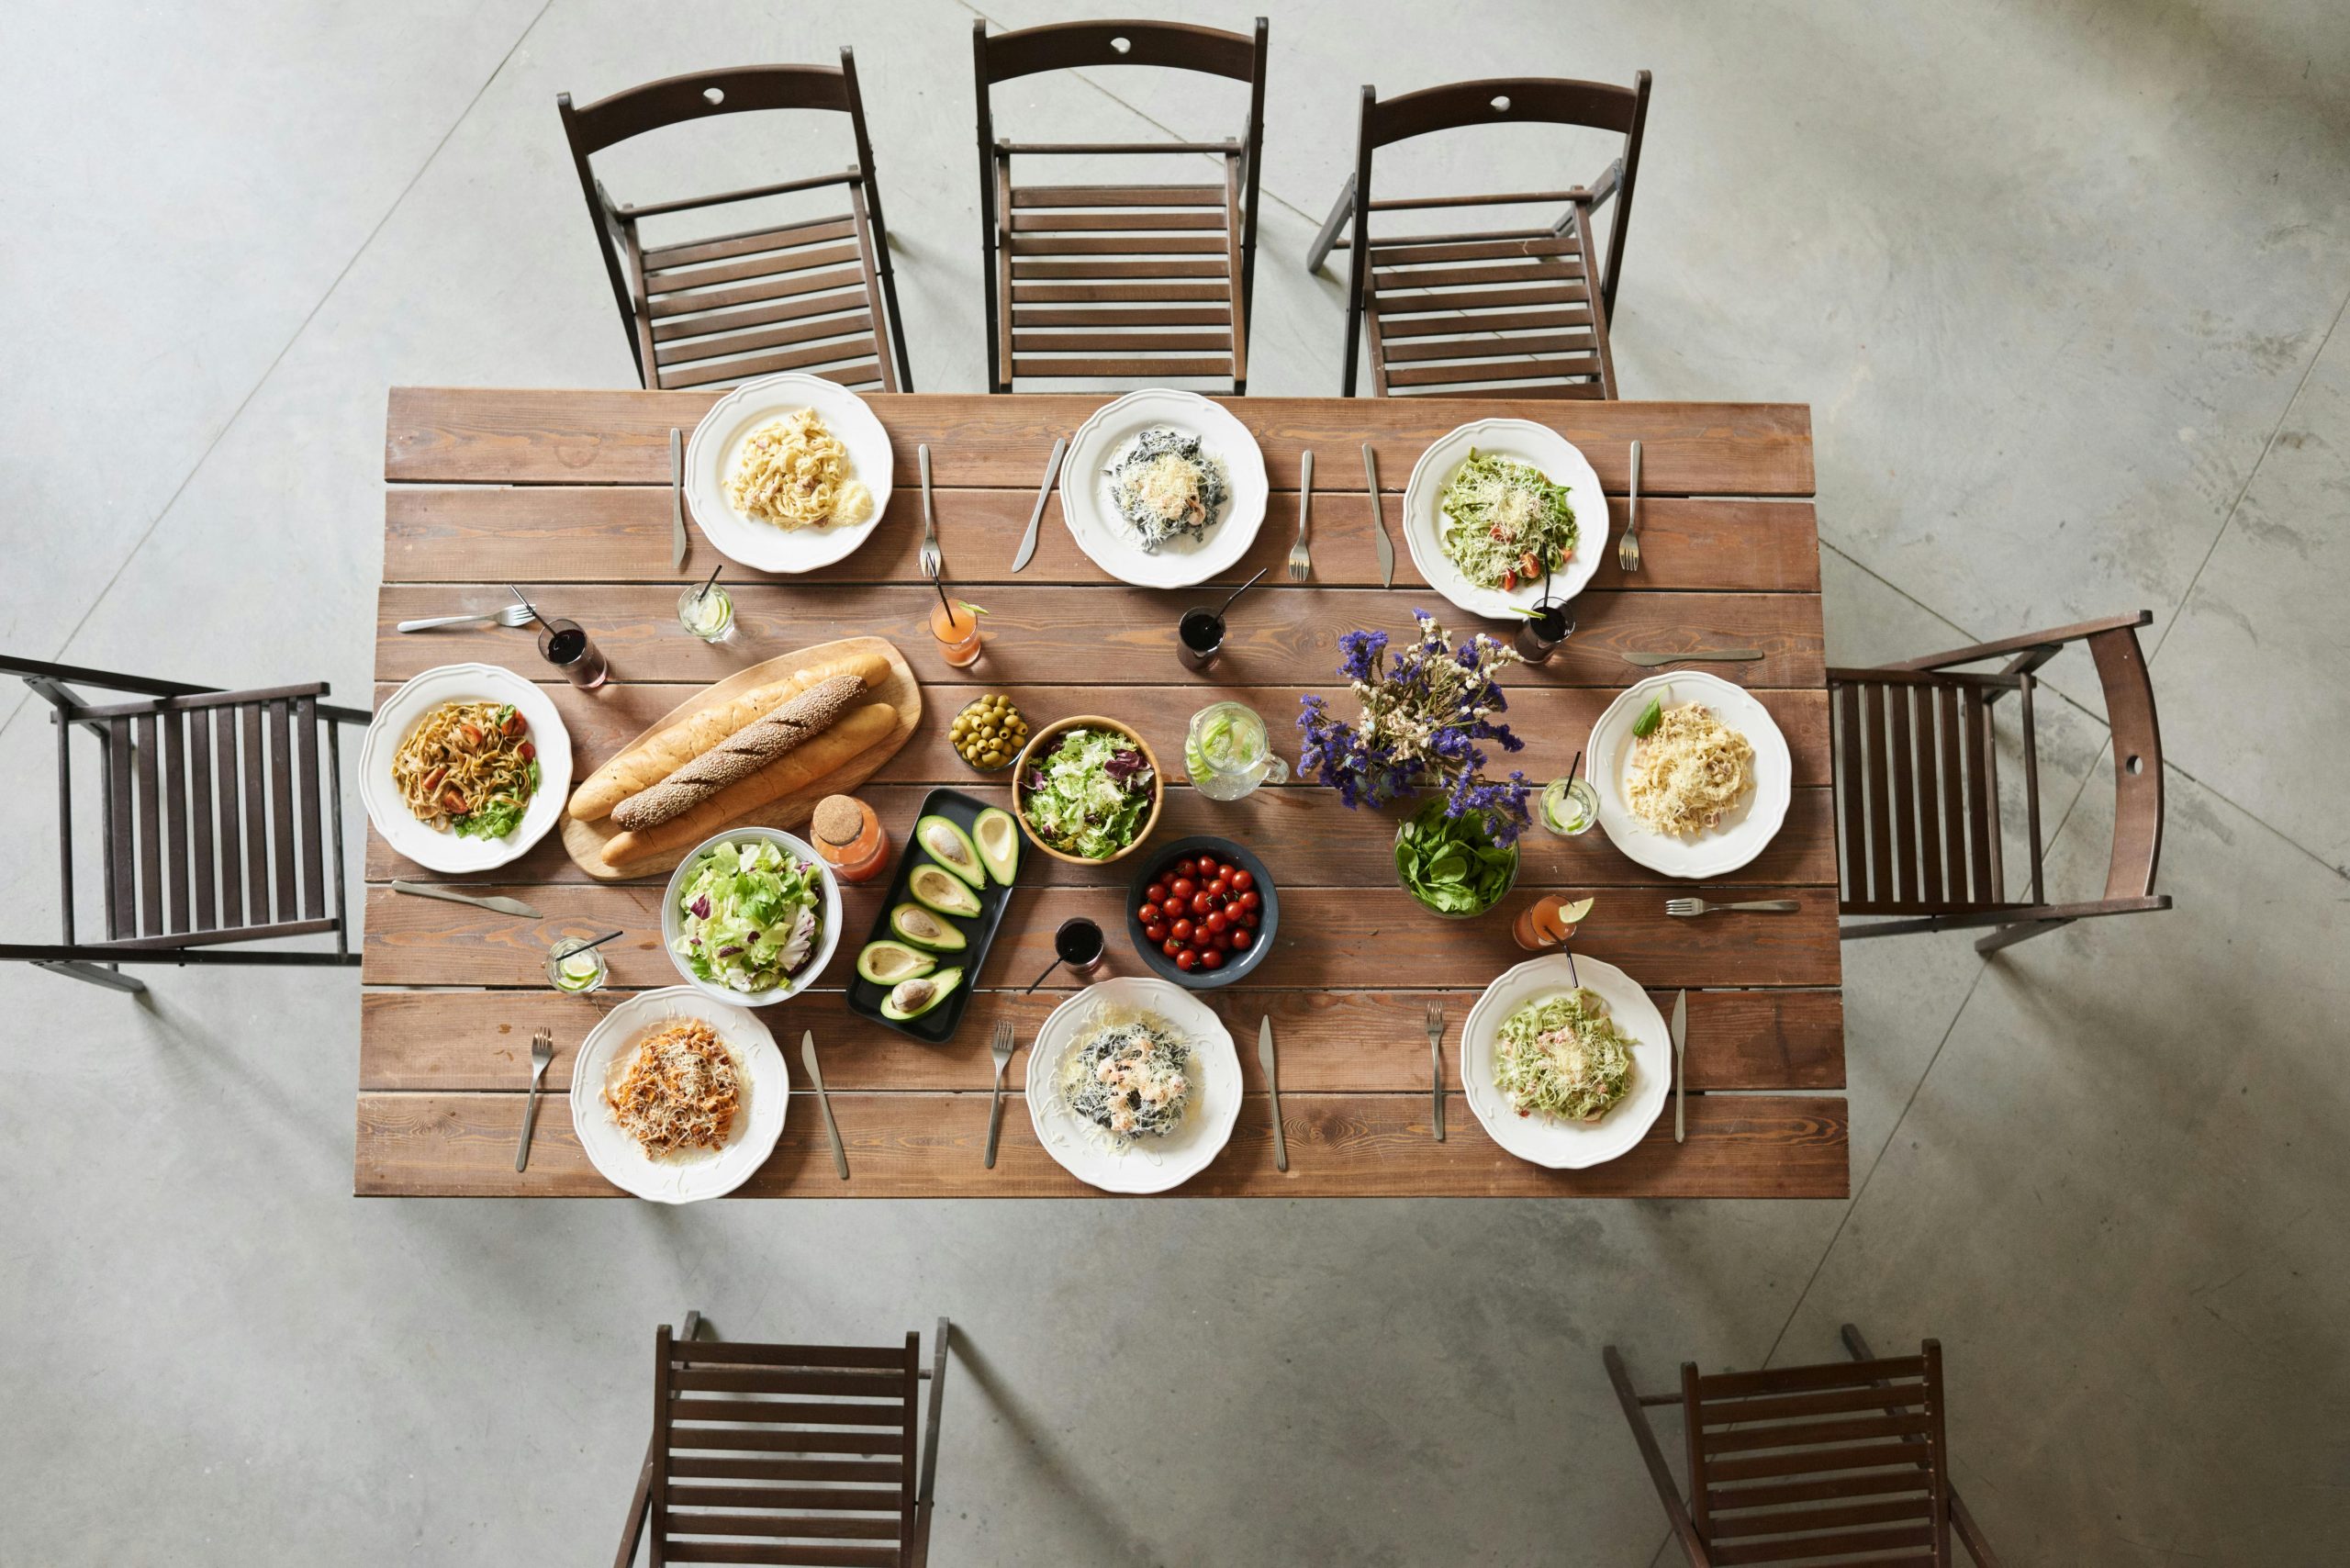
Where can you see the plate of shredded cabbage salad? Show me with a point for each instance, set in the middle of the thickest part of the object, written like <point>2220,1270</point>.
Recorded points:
<point>1495,507</point>
<point>752,916</point>
<point>1566,1062</point>
<point>1134,1085</point>
<point>1086,789</point>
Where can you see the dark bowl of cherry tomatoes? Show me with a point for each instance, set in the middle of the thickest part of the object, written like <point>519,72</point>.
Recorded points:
<point>1202,912</point>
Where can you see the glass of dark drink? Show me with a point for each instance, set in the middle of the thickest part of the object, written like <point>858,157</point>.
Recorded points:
<point>1544,632</point>
<point>1078,944</point>
<point>1199,638</point>
<point>564,644</point>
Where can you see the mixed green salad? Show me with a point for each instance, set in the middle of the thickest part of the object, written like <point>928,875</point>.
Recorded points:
<point>748,914</point>
<point>1451,864</point>
<point>1505,522</point>
<point>1562,1056</point>
<point>1087,793</point>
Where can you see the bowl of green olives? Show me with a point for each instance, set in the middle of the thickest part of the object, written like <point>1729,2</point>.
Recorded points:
<point>989,733</point>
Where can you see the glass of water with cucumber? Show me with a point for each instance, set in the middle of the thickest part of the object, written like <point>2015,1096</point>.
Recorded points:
<point>1228,754</point>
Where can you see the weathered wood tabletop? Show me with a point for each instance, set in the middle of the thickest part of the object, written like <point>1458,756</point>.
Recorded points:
<point>569,491</point>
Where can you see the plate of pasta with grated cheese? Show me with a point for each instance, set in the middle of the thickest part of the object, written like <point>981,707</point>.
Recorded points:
<point>788,472</point>
<point>1692,775</point>
<point>676,1097</point>
<point>1163,488</point>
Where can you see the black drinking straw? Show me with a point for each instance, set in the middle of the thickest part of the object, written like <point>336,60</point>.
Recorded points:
<point>704,591</point>
<point>528,606</point>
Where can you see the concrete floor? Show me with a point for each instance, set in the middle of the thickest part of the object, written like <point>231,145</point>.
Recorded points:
<point>2062,283</point>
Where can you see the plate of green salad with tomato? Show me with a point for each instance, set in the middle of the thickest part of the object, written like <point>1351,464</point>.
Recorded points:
<point>1499,512</point>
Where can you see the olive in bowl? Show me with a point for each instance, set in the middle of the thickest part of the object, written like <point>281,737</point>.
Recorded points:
<point>1213,916</point>
<point>988,732</point>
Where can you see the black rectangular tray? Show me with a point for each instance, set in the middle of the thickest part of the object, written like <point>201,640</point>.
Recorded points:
<point>936,1027</point>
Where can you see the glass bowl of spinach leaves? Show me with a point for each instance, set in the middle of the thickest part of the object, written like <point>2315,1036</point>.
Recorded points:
<point>1452,866</point>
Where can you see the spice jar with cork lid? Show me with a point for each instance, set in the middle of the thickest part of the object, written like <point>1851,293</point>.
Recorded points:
<point>848,835</point>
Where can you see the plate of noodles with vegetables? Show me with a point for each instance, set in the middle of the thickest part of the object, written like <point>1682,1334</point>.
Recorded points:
<point>1497,509</point>
<point>1134,1085</point>
<point>1565,1061</point>
<point>788,472</point>
<point>465,768</point>
<point>676,1097</point>
<point>1163,488</point>
<point>1692,775</point>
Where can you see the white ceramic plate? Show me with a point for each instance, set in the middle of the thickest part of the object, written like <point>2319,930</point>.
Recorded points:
<point>711,456</point>
<point>1568,1146</point>
<point>1148,1165</point>
<point>1523,439</point>
<point>687,1178</point>
<point>1745,829</point>
<point>828,933</point>
<point>1104,535</point>
<point>404,708</point>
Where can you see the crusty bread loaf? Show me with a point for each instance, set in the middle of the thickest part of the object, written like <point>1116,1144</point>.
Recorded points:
<point>659,755</point>
<point>740,754</point>
<point>860,729</point>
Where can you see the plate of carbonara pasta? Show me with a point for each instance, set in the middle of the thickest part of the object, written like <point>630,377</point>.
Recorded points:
<point>678,1097</point>
<point>788,472</point>
<point>1566,1063</point>
<point>465,768</point>
<point>1694,776</point>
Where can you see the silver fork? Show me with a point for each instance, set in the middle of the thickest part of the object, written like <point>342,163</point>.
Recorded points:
<point>1627,549</point>
<point>508,615</point>
<point>1300,560</point>
<point>933,563</point>
<point>1686,907</point>
<point>1000,1049</point>
<point>1436,1063</point>
<point>542,1054</point>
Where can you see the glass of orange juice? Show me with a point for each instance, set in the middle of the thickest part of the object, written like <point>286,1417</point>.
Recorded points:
<point>956,627</point>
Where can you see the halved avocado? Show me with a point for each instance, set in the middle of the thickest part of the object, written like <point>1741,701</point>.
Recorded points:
<point>999,841</point>
<point>923,929</point>
<point>887,963</point>
<point>935,887</point>
<point>912,998</point>
<point>951,848</point>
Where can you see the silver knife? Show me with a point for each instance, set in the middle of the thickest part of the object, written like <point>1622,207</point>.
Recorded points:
<point>1679,1051</point>
<point>1714,656</point>
<point>816,1077</point>
<point>1052,472</point>
<point>1273,1085</point>
<point>1378,521</point>
<point>502,905</point>
<point>677,499</point>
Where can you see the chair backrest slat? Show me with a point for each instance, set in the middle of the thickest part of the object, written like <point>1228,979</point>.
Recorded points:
<point>281,800</point>
<point>256,818</point>
<point>1596,106</point>
<point>175,836</point>
<point>232,890</point>
<point>1077,46</point>
<point>148,851</point>
<point>314,826</point>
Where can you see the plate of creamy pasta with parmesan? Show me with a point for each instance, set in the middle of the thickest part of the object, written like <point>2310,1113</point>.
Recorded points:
<point>465,768</point>
<point>1692,774</point>
<point>677,1096</point>
<point>788,472</point>
<point>1163,488</point>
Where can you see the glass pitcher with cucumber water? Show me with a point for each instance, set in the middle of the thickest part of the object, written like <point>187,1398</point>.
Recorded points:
<point>1227,753</point>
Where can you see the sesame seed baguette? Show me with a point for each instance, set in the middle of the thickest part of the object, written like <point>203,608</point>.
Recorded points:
<point>859,732</point>
<point>740,754</point>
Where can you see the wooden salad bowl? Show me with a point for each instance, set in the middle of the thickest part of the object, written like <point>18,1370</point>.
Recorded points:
<point>1043,738</point>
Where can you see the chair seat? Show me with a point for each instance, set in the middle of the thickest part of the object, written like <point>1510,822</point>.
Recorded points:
<point>1509,316</point>
<point>793,297</point>
<point>1122,280</point>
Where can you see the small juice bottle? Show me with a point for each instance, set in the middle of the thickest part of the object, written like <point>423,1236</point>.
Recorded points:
<point>957,631</point>
<point>849,837</point>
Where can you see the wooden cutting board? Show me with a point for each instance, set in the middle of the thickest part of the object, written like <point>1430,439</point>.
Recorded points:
<point>585,841</point>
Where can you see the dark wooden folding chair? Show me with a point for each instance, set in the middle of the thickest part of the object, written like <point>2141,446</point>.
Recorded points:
<point>221,821</point>
<point>794,296</point>
<point>1805,1464</point>
<point>799,1454</point>
<point>1489,312</point>
<point>1917,788</point>
<point>1086,281</point>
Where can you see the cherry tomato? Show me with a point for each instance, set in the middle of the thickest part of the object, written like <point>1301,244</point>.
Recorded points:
<point>1251,899</point>
<point>1175,907</point>
<point>1199,904</point>
<point>1157,931</point>
<point>1170,947</point>
<point>1181,930</point>
<point>1211,959</point>
<point>1156,893</point>
<point>1242,881</point>
<point>1252,917</point>
<point>1219,921</point>
<point>1147,914</point>
<point>1222,939</point>
<point>1240,937</point>
<point>1187,960</point>
<point>1182,888</point>
<point>1205,867</point>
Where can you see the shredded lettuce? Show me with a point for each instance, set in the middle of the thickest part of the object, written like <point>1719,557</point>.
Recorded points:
<point>1088,796</point>
<point>748,915</point>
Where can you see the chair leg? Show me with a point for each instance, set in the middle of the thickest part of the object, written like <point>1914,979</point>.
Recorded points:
<point>95,974</point>
<point>1340,211</point>
<point>2008,935</point>
<point>918,1549</point>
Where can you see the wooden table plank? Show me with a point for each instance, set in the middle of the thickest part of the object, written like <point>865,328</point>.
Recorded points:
<point>561,534</point>
<point>927,1146</point>
<point>1328,937</point>
<point>503,436</point>
<point>1304,833</point>
<point>1091,635</point>
<point>1345,1042</point>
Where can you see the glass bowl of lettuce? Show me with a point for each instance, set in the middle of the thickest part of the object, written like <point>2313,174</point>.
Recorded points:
<point>1452,866</point>
<point>1087,790</point>
<point>751,916</point>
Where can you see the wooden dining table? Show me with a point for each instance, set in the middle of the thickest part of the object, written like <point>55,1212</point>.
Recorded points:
<point>567,494</point>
